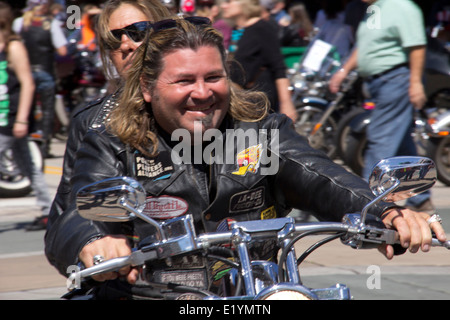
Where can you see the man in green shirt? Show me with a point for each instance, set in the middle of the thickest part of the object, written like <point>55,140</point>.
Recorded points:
<point>389,55</point>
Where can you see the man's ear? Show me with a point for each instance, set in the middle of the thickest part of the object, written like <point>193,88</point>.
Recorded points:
<point>145,91</point>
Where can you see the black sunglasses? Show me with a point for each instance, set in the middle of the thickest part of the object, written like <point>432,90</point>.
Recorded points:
<point>136,31</point>
<point>172,23</point>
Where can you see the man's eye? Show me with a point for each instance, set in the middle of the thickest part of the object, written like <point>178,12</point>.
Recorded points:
<point>184,81</point>
<point>215,78</point>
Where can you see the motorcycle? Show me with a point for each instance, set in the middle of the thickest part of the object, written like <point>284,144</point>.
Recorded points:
<point>122,199</point>
<point>13,183</point>
<point>324,120</point>
<point>438,125</point>
<point>356,141</point>
<point>309,93</point>
<point>438,148</point>
<point>322,115</point>
<point>90,81</point>
<point>81,80</point>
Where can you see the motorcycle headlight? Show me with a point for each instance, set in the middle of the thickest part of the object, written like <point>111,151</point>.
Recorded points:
<point>301,85</point>
<point>286,291</point>
<point>299,81</point>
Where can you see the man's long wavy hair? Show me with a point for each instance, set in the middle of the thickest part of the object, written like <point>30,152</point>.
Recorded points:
<point>132,120</point>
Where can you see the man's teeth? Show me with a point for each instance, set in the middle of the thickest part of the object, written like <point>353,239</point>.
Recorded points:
<point>200,108</point>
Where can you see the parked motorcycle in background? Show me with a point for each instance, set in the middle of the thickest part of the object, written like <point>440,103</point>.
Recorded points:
<point>438,148</point>
<point>356,141</point>
<point>439,125</point>
<point>122,199</point>
<point>88,81</point>
<point>81,80</point>
<point>321,114</point>
<point>13,183</point>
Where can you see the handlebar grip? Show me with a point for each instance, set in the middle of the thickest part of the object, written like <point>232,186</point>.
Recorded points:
<point>398,249</point>
<point>106,266</point>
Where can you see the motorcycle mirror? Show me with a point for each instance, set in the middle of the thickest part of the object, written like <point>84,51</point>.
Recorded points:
<point>115,199</point>
<point>104,200</point>
<point>412,175</point>
<point>399,178</point>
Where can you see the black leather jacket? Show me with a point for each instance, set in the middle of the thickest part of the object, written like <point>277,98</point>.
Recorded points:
<point>305,179</point>
<point>84,118</point>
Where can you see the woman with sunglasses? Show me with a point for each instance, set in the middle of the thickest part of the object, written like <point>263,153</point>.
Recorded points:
<point>122,27</point>
<point>179,81</point>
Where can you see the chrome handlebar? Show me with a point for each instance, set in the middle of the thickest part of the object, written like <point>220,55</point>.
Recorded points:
<point>241,234</point>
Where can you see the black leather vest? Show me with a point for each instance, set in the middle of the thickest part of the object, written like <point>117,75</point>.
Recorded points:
<point>38,41</point>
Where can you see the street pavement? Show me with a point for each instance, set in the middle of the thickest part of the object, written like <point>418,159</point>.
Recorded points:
<point>25,273</point>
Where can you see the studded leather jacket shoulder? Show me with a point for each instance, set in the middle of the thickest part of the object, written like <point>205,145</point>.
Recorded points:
<point>261,181</point>
<point>88,117</point>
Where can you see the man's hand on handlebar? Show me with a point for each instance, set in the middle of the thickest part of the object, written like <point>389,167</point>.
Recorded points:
<point>109,247</point>
<point>413,230</point>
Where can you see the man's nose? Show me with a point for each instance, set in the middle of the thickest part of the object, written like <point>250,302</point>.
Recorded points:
<point>201,91</point>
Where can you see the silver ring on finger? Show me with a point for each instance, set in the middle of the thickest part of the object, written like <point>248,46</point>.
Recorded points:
<point>434,218</point>
<point>98,259</point>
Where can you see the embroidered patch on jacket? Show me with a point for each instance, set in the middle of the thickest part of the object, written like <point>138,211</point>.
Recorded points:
<point>247,200</point>
<point>165,207</point>
<point>269,213</point>
<point>161,167</point>
<point>225,225</point>
<point>248,160</point>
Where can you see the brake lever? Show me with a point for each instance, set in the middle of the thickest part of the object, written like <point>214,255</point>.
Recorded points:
<point>367,235</point>
<point>380,236</point>
<point>391,237</point>
<point>136,258</point>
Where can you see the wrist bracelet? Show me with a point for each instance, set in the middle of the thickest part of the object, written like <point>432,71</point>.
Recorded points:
<point>21,122</point>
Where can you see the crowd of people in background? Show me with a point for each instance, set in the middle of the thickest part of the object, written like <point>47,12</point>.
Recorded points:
<point>295,23</point>
<point>254,32</point>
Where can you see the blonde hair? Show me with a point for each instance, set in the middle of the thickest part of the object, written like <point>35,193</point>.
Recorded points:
<point>251,8</point>
<point>153,9</point>
<point>35,11</point>
<point>300,16</point>
<point>132,120</point>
